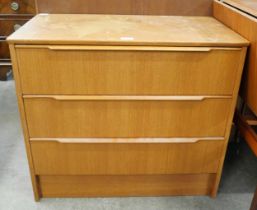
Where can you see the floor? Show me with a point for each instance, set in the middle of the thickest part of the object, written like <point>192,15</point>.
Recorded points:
<point>236,190</point>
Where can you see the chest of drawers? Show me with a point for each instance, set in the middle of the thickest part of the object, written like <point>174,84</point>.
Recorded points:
<point>126,105</point>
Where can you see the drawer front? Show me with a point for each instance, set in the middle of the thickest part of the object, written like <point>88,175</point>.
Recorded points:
<point>102,117</point>
<point>4,69</point>
<point>17,7</point>
<point>8,26</point>
<point>54,158</point>
<point>142,71</point>
<point>4,50</point>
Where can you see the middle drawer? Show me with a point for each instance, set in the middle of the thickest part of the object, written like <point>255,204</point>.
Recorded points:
<point>126,116</point>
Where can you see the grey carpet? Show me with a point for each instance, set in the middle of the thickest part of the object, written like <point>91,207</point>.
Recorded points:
<point>238,182</point>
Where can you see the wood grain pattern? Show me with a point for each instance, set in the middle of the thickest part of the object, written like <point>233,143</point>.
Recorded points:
<point>245,25</point>
<point>127,7</point>
<point>34,179</point>
<point>230,120</point>
<point>103,186</point>
<point>249,6</point>
<point>125,159</point>
<point>48,118</point>
<point>61,127</point>
<point>128,72</point>
<point>126,30</point>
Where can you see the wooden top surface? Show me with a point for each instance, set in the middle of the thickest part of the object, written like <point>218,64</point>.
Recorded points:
<point>126,30</point>
<point>249,6</point>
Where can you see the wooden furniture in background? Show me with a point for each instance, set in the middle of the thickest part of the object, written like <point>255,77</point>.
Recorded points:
<point>241,16</point>
<point>13,14</point>
<point>127,7</point>
<point>145,126</point>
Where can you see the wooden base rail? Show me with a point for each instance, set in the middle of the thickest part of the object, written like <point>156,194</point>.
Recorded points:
<point>126,98</point>
<point>128,185</point>
<point>128,140</point>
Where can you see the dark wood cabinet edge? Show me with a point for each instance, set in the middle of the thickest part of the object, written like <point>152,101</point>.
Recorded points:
<point>16,17</point>
<point>246,131</point>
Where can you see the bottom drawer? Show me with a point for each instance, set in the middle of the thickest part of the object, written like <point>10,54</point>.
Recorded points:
<point>4,49</point>
<point>55,158</point>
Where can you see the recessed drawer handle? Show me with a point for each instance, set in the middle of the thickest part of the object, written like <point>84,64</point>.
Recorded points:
<point>126,48</point>
<point>127,140</point>
<point>132,48</point>
<point>125,98</point>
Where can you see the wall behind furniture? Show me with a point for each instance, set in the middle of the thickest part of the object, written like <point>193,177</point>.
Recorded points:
<point>127,7</point>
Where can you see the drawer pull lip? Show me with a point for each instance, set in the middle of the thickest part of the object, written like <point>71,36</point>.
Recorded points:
<point>131,48</point>
<point>127,140</point>
<point>125,48</point>
<point>126,98</point>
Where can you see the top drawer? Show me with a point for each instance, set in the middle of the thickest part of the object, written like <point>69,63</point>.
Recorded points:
<point>127,70</point>
<point>17,7</point>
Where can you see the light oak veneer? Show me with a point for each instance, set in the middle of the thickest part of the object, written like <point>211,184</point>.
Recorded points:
<point>125,159</point>
<point>128,71</point>
<point>106,186</point>
<point>47,117</point>
<point>142,103</point>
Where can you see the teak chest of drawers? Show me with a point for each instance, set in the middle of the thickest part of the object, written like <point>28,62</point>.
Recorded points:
<point>126,105</point>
